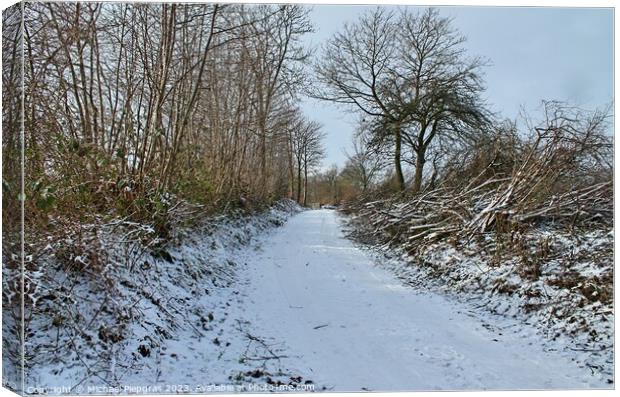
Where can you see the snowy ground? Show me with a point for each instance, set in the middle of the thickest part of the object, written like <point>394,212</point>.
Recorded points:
<point>353,325</point>
<point>557,280</point>
<point>165,321</point>
<point>243,305</point>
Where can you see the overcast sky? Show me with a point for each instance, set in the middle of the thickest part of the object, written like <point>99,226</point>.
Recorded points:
<point>536,53</point>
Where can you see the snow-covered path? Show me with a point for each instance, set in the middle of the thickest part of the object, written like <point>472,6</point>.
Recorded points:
<point>348,324</point>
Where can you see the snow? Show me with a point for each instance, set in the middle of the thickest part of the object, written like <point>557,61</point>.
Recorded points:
<point>354,326</point>
<point>162,321</point>
<point>260,303</point>
<point>568,302</point>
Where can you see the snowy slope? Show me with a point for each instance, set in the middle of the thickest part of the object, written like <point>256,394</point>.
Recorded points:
<point>159,322</point>
<point>558,280</point>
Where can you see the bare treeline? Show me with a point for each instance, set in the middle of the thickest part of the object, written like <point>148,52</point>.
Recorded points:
<point>125,103</point>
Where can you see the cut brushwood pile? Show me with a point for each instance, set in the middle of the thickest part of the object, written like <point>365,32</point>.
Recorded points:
<point>500,202</point>
<point>442,213</point>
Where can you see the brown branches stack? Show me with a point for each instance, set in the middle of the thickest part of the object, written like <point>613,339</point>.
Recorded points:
<point>560,176</point>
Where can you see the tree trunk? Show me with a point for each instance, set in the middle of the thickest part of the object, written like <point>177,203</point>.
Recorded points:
<point>263,161</point>
<point>305,185</point>
<point>299,182</point>
<point>291,170</point>
<point>419,168</point>
<point>400,180</point>
<point>305,179</point>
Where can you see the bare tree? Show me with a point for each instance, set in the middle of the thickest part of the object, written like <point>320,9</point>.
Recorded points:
<point>354,70</point>
<point>436,85</point>
<point>364,165</point>
<point>277,51</point>
<point>408,72</point>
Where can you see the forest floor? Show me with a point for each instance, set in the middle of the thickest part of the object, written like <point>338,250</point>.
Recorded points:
<point>291,308</point>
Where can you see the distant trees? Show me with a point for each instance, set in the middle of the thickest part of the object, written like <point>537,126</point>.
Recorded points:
<point>328,186</point>
<point>363,166</point>
<point>408,73</point>
<point>308,152</point>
